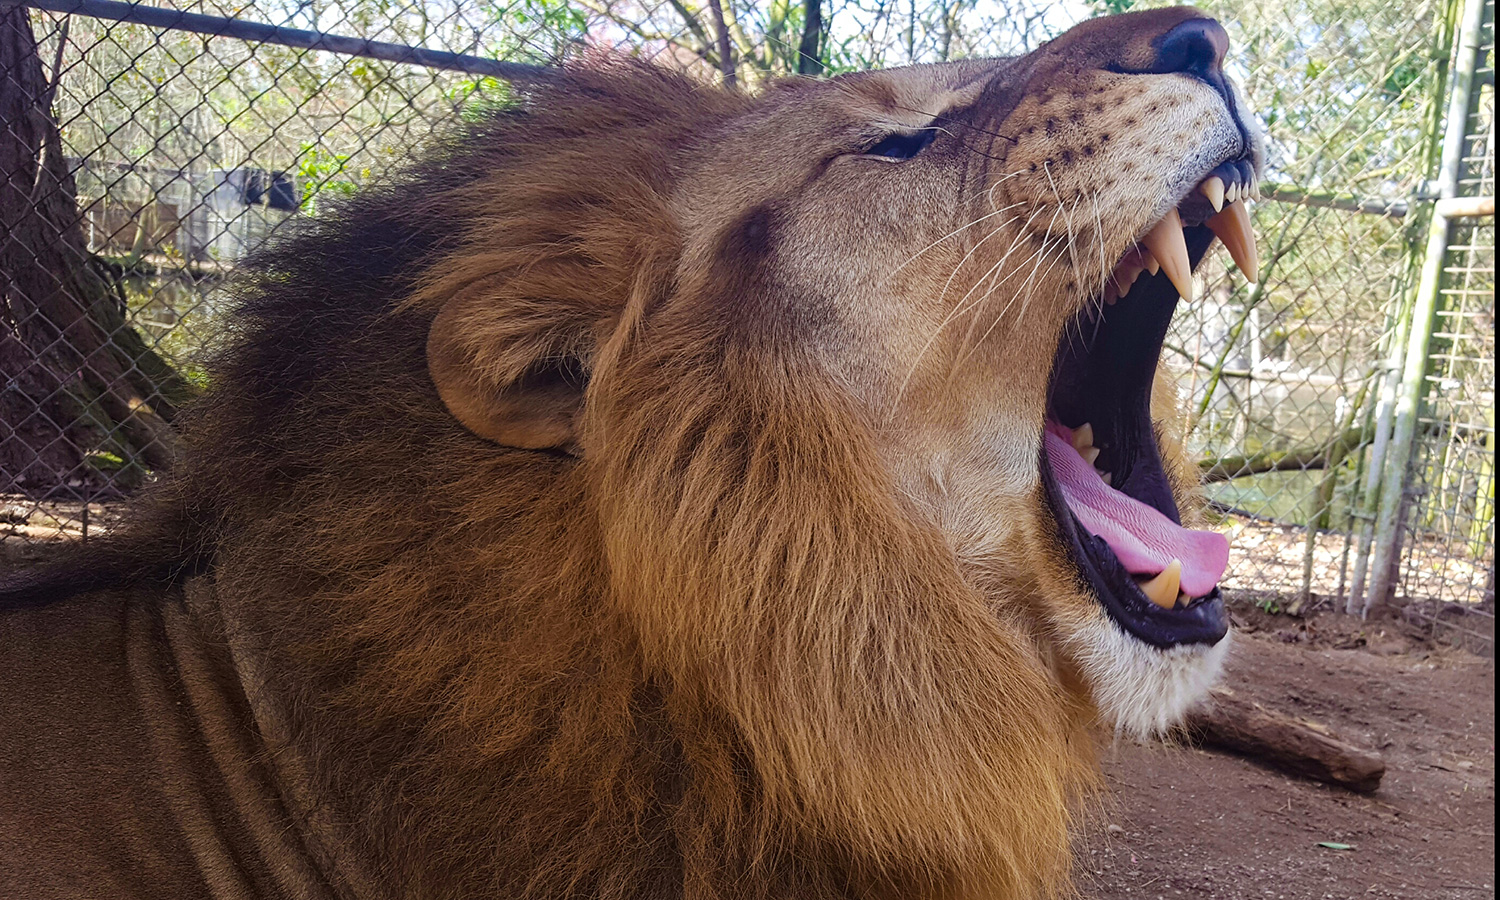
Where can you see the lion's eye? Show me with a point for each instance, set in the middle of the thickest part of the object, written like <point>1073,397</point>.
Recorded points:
<point>901,145</point>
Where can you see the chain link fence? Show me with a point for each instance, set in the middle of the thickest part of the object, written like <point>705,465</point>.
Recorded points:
<point>188,135</point>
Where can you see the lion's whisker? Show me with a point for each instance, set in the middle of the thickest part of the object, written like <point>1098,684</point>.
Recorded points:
<point>936,332</point>
<point>962,306</point>
<point>959,308</point>
<point>965,306</point>
<point>955,232</point>
<point>1061,207</point>
<point>1074,323</point>
<point>990,276</point>
<point>1032,280</point>
<point>1029,291</point>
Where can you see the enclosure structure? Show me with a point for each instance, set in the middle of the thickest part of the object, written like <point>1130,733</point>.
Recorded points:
<point>1342,408</point>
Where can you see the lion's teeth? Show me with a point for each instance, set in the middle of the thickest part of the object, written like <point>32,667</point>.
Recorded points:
<point>1213,188</point>
<point>1166,243</point>
<point>1124,276</point>
<point>1107,477</point>
<point>1183,599</point>
<point>1232,226</point>
<point>1232,193</point>
<point>1083,442</point>
<point>1152,265</point>
<point>1163,589</point>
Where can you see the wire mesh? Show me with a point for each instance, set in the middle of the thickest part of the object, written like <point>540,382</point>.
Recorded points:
<point>184,151</point>
<point>1453,495</point>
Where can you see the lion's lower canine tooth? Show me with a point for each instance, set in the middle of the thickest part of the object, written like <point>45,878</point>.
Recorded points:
<point>1166,243</point>
<point>1163,589</point>
<point>1083,436</point>
<point>1232,226</point>
<point>1213,188</point>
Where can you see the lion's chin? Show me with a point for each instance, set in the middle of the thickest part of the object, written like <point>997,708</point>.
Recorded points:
<point>1143,691</point>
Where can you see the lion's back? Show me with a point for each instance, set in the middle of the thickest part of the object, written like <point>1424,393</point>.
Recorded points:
<point>127,768</point>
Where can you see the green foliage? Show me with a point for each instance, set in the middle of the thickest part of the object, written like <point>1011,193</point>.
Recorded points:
<point>532,30</point>
<point>479,97</point>
<point>319,171</point>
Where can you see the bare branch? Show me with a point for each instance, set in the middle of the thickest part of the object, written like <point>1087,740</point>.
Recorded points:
<point>726,53</point>
<point>692,23</point>
<point>702,51</point>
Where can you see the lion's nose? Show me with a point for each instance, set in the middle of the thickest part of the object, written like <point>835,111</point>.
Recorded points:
<point>1196,47</point>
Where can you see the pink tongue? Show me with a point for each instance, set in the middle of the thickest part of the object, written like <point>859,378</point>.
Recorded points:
<point>1145,540</point>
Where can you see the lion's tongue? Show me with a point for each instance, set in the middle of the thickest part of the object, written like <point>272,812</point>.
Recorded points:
<point>1144,539</point>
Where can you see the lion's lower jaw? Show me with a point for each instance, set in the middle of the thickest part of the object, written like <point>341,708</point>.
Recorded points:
<point>1140,690</point>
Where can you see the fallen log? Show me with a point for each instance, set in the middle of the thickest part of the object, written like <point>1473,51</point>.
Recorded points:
<point>1244,727</point>
<point>1297,459</point>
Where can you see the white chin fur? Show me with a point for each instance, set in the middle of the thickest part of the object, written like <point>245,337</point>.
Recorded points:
<point>1143,691</point>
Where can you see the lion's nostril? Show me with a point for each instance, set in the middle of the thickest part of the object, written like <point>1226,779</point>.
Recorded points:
<point>1195,47</point>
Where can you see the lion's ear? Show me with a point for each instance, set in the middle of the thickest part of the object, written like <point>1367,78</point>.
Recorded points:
<point>518,391</point>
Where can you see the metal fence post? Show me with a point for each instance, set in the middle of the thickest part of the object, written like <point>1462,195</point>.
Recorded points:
<point>1370,507</point>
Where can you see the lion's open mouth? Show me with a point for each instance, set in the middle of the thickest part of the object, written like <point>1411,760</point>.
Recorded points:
<point>1101,460</point>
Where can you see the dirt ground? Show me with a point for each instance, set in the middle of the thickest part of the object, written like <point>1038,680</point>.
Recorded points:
<point>1184,822</point>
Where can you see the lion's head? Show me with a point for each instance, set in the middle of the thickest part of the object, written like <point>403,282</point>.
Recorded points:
<point>889,289</point>
<point>763,541</point>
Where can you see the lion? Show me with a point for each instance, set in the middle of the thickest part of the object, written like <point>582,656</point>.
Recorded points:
<point>665,492</point>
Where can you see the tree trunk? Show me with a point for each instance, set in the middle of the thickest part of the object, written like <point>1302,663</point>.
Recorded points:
<point>810,50</point>
<point>74,372</point>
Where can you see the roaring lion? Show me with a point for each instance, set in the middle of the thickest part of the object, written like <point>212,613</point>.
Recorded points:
<point>663,492</point>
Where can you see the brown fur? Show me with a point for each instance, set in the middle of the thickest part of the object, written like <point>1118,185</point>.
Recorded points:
<point>728,625</point>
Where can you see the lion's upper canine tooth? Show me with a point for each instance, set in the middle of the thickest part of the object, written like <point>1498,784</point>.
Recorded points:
<point>1163,589</point>
<point>1232,226</point>
<point>1166,243</point>
<point>1213,188</point>
<point>1083,436</point>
